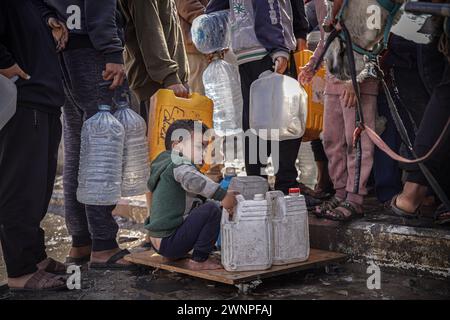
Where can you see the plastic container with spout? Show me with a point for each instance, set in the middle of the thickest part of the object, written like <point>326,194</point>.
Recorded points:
<point>278,107</point>
<point>165,108</point>
<point>211,32</point>
<point>249,186</point>
<point>136,168</point>
<point>223,87</point>
<point>101,157</point>
<point>316,93</point>
<point>247,237</point>
<point>290,227</point>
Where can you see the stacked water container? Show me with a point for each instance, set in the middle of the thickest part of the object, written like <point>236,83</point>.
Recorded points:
<point>136,167</point>
<point>101,153</point>
<point>267,228</point>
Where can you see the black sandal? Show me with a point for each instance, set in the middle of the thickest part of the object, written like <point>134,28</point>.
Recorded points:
<point>320,211</point>
<point>402,213</point>
<point>338,215</point>
<point>112,264</point>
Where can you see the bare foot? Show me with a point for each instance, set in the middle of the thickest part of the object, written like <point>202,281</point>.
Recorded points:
<point>103,256</point>
<point>210,264</point>
<point>43,280</point>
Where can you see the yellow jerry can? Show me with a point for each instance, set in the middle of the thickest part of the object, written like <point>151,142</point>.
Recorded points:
<point>165,108</point>
<point>315,90</point>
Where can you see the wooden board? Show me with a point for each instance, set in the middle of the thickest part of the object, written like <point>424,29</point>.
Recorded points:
<point>317,258</point>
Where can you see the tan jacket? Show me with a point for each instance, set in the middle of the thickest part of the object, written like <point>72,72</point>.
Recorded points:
<point>188,10</point>
<point>155,56</point>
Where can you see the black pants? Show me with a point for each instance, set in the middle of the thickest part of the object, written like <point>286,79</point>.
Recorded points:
<point>28,156</point>
<point>286,176</point>
<point>436,116</point>
<point>199,231</point>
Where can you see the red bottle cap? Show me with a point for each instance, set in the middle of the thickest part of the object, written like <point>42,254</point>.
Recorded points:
<point>294,190</point>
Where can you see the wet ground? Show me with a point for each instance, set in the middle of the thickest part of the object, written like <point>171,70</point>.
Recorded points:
<point>347,281</point>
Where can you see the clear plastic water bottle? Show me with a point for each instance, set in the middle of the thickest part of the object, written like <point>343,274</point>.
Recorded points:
<point>101,156</point>
<point>211,32</point>
<point>136,168</point>
<point>222,86</point>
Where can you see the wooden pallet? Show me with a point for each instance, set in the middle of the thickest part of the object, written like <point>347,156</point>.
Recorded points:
<point>317,258</point>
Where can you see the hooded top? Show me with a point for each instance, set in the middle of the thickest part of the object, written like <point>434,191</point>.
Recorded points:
<point>176,186</point>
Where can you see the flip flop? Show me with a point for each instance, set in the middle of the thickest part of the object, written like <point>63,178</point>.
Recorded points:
<point>112,264</point>
<point>55,267</point>
<point>42,281</point>
<point>338,215</point>
<point>402,213</point>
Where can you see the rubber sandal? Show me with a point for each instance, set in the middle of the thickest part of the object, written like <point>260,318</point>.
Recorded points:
<point>55,267</point>
<point>331,204</point>
<point>338,215</point>
<point>42,281</point>
<point>112,264</point>
<point>78,261</point>
<point>442,215</point>
<point>402,213</point>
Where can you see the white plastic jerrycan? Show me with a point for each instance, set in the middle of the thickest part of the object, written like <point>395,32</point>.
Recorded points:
<point>247,237</point>
<point>278,107</point>
<point>290,227</point>
<point>249,186</point>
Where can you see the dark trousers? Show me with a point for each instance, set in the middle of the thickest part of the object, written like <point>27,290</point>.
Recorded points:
<point>286,176</point>
<point>436,116</point>
<point>28,156</point>
<point>199,232</point>
<point>84,92</point>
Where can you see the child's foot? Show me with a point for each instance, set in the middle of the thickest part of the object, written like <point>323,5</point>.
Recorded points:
<point>346,211</point>
<point>210,264</point>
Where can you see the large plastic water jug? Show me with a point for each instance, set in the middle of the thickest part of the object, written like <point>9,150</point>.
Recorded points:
<point>315,91</point>
<point>223,87</point>
<point>8,100</point>
<point>278,107</point>
<point>247,237</point>
<point>165,108</point>
<point>211,32</point>
<point>290,227</point>
<point>136,168</point>
<point>101,156</point>
<point>249,186</point>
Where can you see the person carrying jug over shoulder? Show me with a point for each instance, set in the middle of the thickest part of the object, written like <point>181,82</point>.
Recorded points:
<point>181,217</point>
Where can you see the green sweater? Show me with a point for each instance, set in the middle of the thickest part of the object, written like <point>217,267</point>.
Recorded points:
<point>175,184</point>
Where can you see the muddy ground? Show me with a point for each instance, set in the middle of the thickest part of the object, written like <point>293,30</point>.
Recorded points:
<point>347,281</point>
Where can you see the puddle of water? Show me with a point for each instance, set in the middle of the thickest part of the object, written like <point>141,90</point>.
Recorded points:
<point>58,241</point>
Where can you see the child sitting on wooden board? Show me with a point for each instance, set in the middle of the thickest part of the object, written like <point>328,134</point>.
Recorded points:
<point>181,219</point>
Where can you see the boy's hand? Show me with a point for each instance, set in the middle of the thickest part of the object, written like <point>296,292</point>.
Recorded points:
<point>229,202</point>
<point>305,75</point>
<point>348,96</point>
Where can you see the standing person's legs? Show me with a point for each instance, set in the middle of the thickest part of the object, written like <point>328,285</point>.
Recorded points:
<point>335,144</point>
<point>387,173</point>
<point>287,174</point>
<point>197,64</point>
<point>28,147</point>
<point>250,72</point>
<point>86,223</point>
<point>369,107</point>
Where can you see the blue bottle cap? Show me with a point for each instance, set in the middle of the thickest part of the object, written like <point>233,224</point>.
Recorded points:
<point>104,107</point>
